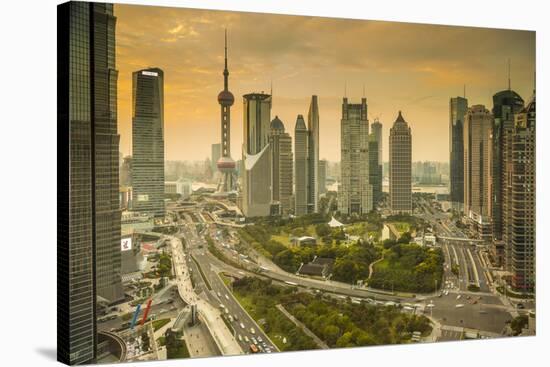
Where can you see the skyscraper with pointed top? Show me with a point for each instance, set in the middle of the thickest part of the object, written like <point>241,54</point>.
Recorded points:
<point>400,166</point>
<point>226,164</point>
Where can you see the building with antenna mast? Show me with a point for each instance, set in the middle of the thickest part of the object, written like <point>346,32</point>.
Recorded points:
<point>226,164</point>
<point>506,104</point>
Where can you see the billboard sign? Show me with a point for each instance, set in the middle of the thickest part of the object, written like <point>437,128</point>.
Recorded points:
<point>126,244</point>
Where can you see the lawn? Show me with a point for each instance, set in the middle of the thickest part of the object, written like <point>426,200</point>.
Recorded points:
<point>157,324</point>
<point>402,227</point>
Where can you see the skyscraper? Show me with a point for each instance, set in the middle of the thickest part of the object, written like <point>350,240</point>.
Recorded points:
<point>281,167</point>
<point>506,104</point>
<point>255,197</point>
<point>313,156</point>
<point>89,259</point>
<point>148,141</point>
<point>323,168</point>
<point>300,167</point>
<point>477,169</point>
<point>226,164</point>
<point>519,198</point>
<point>376,129</point>
<point>375,170</point>
<point>400,166</point>
<point>355,191</point>
<point>458,107</point>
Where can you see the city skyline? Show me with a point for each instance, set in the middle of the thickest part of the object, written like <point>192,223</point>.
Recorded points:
<point>392,69</point>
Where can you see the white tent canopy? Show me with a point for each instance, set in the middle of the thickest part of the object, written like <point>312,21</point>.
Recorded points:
<point>334,223</point>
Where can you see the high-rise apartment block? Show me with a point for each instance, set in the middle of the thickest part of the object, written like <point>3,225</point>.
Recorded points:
<point>148,141</point>
<point>400,166</point>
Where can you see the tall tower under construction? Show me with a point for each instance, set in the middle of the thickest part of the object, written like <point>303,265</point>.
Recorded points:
<point>226,164</point>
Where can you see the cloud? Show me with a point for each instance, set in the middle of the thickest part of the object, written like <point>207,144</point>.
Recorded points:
<point>415,67</point>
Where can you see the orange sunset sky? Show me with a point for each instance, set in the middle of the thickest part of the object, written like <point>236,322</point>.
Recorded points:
<point>410,67</point>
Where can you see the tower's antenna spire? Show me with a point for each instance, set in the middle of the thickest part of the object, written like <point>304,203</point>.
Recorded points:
<point>225,71</point>
<point>345,89</point>
<point>509,80</point>
<point>363,89</point>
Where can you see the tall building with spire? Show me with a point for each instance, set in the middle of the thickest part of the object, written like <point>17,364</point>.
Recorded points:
<point>255,195</point>
<point>458,107</point>
<point>300,167</point>
<point>400,166</point>
<point>281,167</point>
<point>506,104</point>
<point>313,156</point>
<point>226,164</point>
<point>355,191</point>
<point>478,124</point>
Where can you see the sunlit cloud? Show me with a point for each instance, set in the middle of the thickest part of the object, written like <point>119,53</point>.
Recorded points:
<point>412,67</point>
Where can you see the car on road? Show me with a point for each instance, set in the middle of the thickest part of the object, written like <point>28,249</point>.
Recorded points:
<point>230,318</point>
<point>241,325</point>
<point>254,340</point>
<point>240,337</point>
<point>246,339</point>
<point>260,339</point>
<point>219,294</point>
<point>226,296</point>
<point>235,317</point>
<point>460,305</point>
<point>252,331</point>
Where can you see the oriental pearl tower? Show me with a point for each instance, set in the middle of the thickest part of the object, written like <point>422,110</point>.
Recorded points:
<point>226,164</point>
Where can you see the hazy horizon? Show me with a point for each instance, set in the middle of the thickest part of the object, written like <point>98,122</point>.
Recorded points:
<point>415,68</point>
